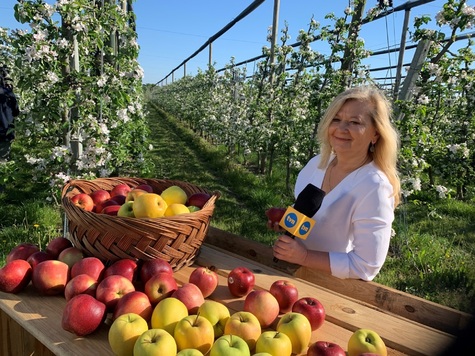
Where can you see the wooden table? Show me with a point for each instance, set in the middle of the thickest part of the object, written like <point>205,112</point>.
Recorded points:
<point>31,324</point>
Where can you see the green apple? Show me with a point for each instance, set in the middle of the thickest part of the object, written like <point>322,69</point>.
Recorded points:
<point>230,345</point>
<point>124,331</point>
<point>167,313</point>
<point>194,332</point>
<point>155,342</point>
<point>274,343</point>
<point>189,352</point>
<point>217,313</point>
<point>297,327</point>
<point>366,341</point>
<point>193,208</point>
<point>126,210</point>
<point>245,325</point>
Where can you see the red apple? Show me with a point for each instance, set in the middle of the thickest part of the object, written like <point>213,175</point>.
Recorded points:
<point>120,189</point>
<point>21,252</point>
<point>38,257</point>
<point>275,214</point>
<point>119,199</point>
<point>83,314</point>
<point>312,309</point>
<point>263,305</point>
<point>160,286</point>
<point>124,267</point>
<point>190,295</point>
<point>198,199</point>
<point>15,276</point>
<point>325,348</point>
<point>50,277</point>
<point>83,201</point>
<point>205,279</point>
<point>99,208</point>
<point>70,256</point>
<point>154,266</point>
<point>56,245</point>
<point>81,284</point>
<point>89,265</point>
<point>98,197</point>
<point>286,294</point>
<point>111,210</point>
<point>147,187</point>
<point>134,302</point>
<point>111,289</point>
<point>241,281</point>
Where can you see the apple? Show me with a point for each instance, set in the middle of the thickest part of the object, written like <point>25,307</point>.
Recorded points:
<point>167,313</point>
<point>194,332</point>
<point>297,327</point>
<point>98,197</point>
<point>325,348</point>
<point>81,284</point>
<point>15,276</point>
<point>70,256</point>
<point>83,315</point>
<point>230,345</point>
<point>56,245</point>
<point>133,302</point>
<point>153,266</point>
<point>89,265</point>
<point>366,341</point>
<point>50,277</point>
<point>99,208</point>
<point>37,257</point>
<point>193,208</point>
<point>274,343</point>
<point>111,210</point>
<point>147,187</point>
<point>125,267</point>
<point>275,214</point>
<point>111,289</point>
<point>155,342</point>
<point>21,252</point>
<point>198,199</point>
<point>174,194</point>
<point>286,294</point>
<point>84,201</point>
<point>134,194</point>
<point>190,295</point>
<point>189,352</point>
<point>245,325</point>
<point>263,305</point>
<point>120,199</point>
<point>120,189</point>
<point>160,286</point>
<point>149,205</point>
<point>126,210</point>
<point>217,313</point>
<point>205,279</point>
<point>312,309</point>
<point>124,331</point>
<point>241,281</point>
<point>176,209</point>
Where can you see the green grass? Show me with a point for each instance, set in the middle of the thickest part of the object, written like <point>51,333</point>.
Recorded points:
<point>432,253</point>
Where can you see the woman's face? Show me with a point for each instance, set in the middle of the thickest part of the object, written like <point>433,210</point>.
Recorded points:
<point>352,130</point>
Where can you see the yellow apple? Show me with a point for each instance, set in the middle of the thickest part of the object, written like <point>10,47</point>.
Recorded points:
<point>275,343</point>
<point>134,194</point>
<point>176,209</point>
<point>245,325</point>
<point>297,327</point>
<point>217,313</point>
<point>155,342</point>
<point>124,331</point>
<point>189,352</point>
<point>174,194</point>
<point>366,341</point>
<point>194,332</point>
<point>167,313</point>
<point>149,205</point>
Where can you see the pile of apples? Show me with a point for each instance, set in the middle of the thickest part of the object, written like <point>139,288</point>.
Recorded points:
<point>150,313</point>
<point>140,201</point>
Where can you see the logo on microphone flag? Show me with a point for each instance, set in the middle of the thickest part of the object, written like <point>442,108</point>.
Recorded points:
<point>296,223</point>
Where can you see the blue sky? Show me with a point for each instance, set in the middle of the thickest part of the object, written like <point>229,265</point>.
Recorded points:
<point>170,31</point>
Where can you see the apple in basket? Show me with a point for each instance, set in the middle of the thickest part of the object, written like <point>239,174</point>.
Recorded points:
<point>149,205</point>
<point>98,197</point>
<point>120,189</point>
<point>83,201</point>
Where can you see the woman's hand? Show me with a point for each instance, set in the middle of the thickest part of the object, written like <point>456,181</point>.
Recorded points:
<point>290,250</point>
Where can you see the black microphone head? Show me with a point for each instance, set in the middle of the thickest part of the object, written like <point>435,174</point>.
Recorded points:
<point>309,200</point>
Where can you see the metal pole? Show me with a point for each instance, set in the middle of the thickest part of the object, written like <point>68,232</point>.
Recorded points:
<point>402,46</point>
<point>275,27</point>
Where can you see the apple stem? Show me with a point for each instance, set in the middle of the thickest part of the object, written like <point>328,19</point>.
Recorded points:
<point>196,319</point>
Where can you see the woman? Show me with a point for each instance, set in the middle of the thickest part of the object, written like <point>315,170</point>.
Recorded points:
<point>357,170</point>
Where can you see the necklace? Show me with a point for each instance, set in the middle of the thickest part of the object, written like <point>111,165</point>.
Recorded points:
<point>330,171</point>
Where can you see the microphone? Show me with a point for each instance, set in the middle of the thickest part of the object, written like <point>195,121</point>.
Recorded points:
<point>297,221</point>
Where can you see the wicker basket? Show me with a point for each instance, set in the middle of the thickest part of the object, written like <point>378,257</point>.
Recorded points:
<point>176,239</point>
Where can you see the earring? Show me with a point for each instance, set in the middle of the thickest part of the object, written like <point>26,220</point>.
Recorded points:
<point>371,147</point>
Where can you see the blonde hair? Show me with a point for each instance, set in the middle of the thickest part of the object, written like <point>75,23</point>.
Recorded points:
<point>385,150</point>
